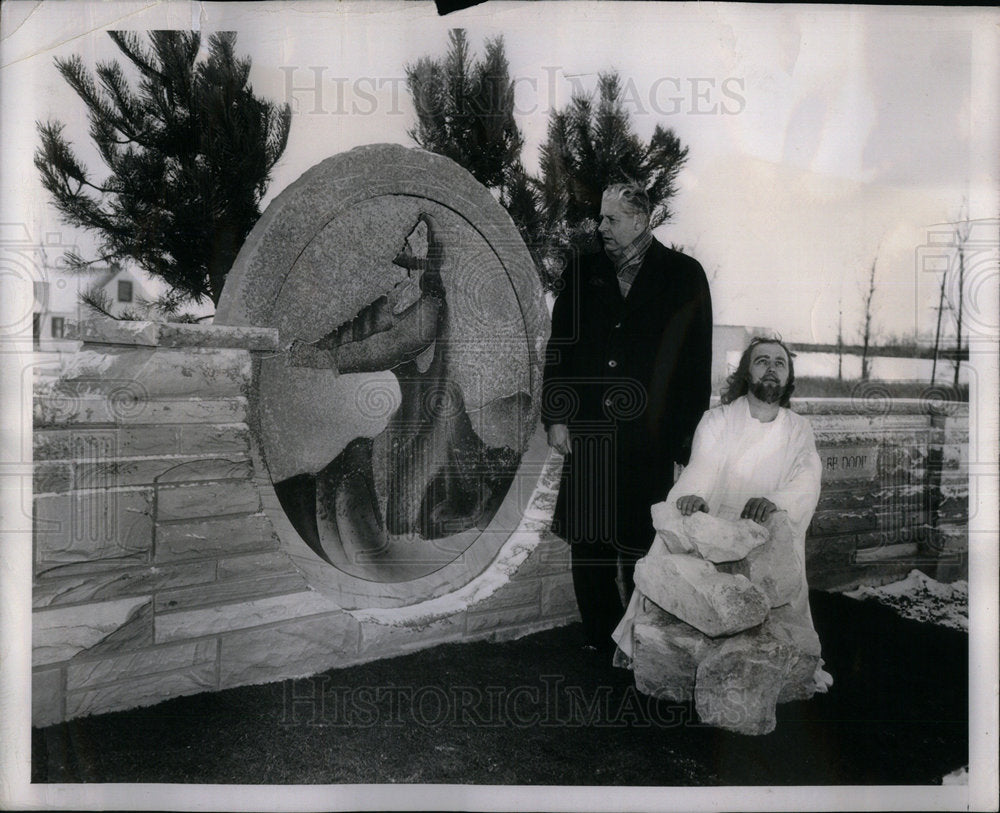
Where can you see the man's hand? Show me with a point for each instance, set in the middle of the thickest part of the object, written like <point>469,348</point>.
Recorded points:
<point>691,504</point>
<point>758,509</point>
<point>559,438</point>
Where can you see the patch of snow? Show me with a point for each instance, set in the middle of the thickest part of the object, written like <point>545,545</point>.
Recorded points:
<point>959,777</point>
<point>921,598</point>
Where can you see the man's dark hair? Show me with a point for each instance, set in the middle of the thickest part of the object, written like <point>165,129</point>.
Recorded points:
<point>633,197</point>
<point>738,383</point>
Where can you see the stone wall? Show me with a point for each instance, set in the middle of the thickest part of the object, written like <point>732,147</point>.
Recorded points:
<point>158,570</point>
<point>895,491</point>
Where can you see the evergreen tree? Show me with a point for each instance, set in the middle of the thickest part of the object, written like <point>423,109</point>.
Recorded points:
<point>465,109</point>
<point>190,152</point>
<point>590,145</point>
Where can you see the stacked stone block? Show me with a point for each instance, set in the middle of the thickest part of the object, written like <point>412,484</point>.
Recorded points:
<point>157,572</point>
<point>736,644</point>
<point>887,466</point>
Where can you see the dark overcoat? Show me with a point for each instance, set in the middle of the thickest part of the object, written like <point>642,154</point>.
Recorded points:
<point>631,377</point>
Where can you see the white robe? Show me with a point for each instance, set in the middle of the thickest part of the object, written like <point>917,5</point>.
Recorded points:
<point>735,457</point>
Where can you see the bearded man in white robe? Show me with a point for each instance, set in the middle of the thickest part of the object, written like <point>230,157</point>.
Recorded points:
<point>751,457</point>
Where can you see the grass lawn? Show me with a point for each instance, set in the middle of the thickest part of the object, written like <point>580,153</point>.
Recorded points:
<point>539,710</point>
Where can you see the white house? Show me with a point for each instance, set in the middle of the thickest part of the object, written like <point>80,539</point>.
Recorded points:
<point>57,307</point>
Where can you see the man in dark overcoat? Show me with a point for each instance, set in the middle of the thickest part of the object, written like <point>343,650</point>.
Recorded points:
<point>627,378</point>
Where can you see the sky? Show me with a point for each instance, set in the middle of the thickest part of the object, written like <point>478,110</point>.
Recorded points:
<point>821,139</point>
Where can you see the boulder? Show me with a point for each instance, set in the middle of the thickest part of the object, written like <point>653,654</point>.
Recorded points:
<point>666,655</point>
<point>738,683</point>
<point>774,567</point>
<point>669,525</point>
<point>694,591</point>
<point>712,538</point>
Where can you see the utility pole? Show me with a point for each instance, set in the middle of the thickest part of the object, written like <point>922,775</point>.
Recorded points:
<point>937,331</point>
<point>840,339</point>
<point>961,235</point>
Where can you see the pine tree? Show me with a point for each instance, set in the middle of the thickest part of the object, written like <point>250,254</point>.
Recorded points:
<point>592,144</point>
<point>465,109</point>
<point>190,152</point>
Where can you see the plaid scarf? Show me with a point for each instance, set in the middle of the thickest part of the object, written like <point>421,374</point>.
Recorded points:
<point>628,264</point>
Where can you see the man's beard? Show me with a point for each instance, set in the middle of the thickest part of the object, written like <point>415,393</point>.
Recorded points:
<point>766,391</point>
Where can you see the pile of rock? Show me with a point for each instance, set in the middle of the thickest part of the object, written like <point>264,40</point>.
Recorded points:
<point>724,618</point>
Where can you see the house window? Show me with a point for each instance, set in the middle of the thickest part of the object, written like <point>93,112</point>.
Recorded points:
<point>124,290</point>
<point>58,327</point>
<point>36,328</point>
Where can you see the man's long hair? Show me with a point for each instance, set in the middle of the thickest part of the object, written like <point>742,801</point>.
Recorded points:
<point>738,383</point>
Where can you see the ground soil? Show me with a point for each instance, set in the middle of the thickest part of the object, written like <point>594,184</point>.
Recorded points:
<point>540,710</point>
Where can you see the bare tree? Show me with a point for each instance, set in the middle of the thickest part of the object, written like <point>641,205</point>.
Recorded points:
<point>956,301</point>
<point>840,339</point>
<point>866,324</point>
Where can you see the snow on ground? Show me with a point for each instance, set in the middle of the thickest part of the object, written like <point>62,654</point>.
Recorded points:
<point>959,777</point>
<point>922,598</point>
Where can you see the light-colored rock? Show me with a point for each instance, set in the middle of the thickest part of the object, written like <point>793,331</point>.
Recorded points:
<point>500,618</point>
<point>229,591</point>
<point>735,680</point>
<point>46,697</point>
<point>68,584</point>
<point>669,525</point>
<point>738,683</point>
<point>175,626</point>
<point>60,633</point>
<point>212,438</point>
<point>92,525</point>
<point>141,373</point>
<point>551,556</point>
<point>81,674</point>
<point>104,330</point>
<point>50,478</point>
<point>209,499</point>
<point>385,640</point>
<point>136,633</point>
<point>719,540</point>
<point>141,691</point>
<point>515,593</point>
<point>558,597</point>
<point>775,567</point>
<point>712,538</point>
<point>256,564</point>
<point>68,444</point>
<point>293,649</point>
<point>68,409</point>
<point>693,590</point>
<point>179,334</point>
<point>213,537</point>
<point>132,471</point>
<point>667,654</point>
